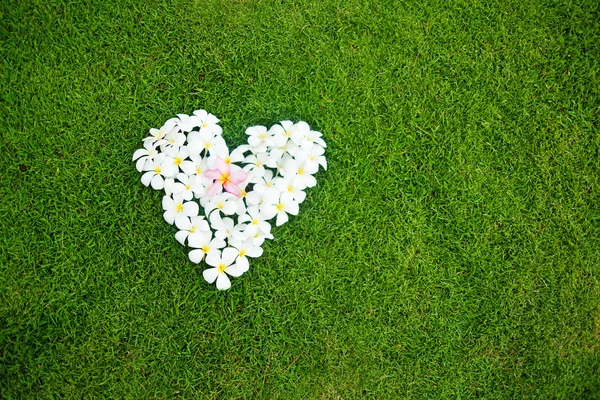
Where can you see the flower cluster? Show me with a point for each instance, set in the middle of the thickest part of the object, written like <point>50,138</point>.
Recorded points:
<point>223,203</point>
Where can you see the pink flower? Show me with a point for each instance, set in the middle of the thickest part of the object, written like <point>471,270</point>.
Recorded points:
<point>223,178</point>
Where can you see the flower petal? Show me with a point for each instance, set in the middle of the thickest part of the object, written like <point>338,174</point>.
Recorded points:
<point>231,188</point>
<point>223,282</point>
<point>213,174</point>
<point>228,255</point>
<point>196,256</point>
<point>210,274</point>
<point>238,177</point>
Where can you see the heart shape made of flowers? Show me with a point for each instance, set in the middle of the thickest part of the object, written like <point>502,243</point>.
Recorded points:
<point>223,202</point>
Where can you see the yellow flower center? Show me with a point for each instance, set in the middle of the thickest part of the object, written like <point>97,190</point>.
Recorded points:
<point>259,163</point>
<point>300,171</point>
<point>188,187</point>
<point>279,207</point>
<point>254,221</point>
<point>221,268</point>
<point>178,160</point>
<point>225,178</point>
<point>205,125</point>
<point>242,253</point>
<point>287,134</point>
<point>198,171</point>
<point>179,207</point>
<point>205,248</point>
<point>157,169</point>
<point>227,160</point>
<point>192,229</point>
<point>243,193</point>
<point>220,206</point>
<point>207,145</point>
<point>290,188</point>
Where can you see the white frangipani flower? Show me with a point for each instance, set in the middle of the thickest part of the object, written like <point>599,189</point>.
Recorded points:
<point>222,264</point>
<point>259,138</point>
<point>296,171</point>
<point>203,245</point>
<point>196,165</point>
<point>222,202</point>
<point>290,189</point>
<point>256,222</point>
<point>207,123</point>
<point>175,208</point>
<point>192,228</point>
<point>281,209</point>
<point>141,155</point>
<point>184,185</point>
<point>158,168</point>
<point>245,248</point>
<point>225,227</point>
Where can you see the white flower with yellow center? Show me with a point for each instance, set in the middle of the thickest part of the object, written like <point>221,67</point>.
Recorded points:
<point>280,209</point>
<point>225,228</point>
<point>255,222</point>
<point>196,165</point>
<point>158,168</point>
<point>222,264</point>
<point>245,249</point>
<point>178,154</point>
<point>312,159</point>
<point>297,171</point>
<point>174,138</point>
<point>281,133</point>
<point>184,185</point>
<point>141,155</point>
<point>258,138</point>
<point>191,228</point>
<point>204,246</point>
<point>175,208</point>
<point>205,143</point>
<point>207,122</point>
<point>221,202</point>
<point>290,189</point>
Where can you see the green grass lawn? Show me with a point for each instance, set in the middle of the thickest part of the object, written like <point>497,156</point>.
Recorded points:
<point>452,249</point>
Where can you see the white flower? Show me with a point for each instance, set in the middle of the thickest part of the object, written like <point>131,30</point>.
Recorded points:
<point>191,229</point>
<point>245,249</point>
<point>281,209</point>
<point>281,133</point>
<point>175,208</point>
<point>158,168</point>
<point>207,142</point>
<point>173,138</point>
<point>141,155</point>
<point>195,165</point>
<point>207,122</point>
<point>223,202</point>
<point>289,188</point>
<point>184,186</point>
<point>259,138</point>
<point>312,158</point>
<point>178,154</point>
<point>255,222</point>
<point>222,267</point>
<point>203,245</point>
<point>225,227</point>
<point>296,171</point>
